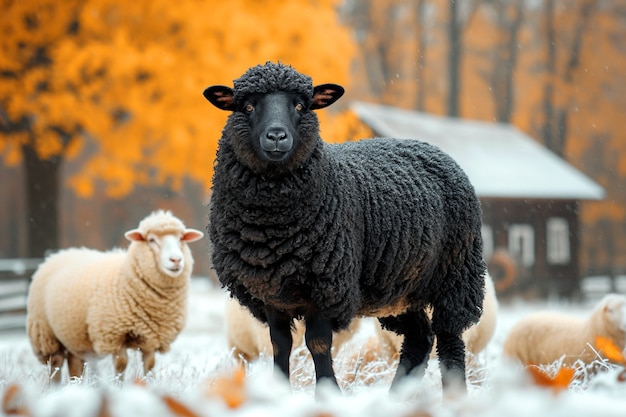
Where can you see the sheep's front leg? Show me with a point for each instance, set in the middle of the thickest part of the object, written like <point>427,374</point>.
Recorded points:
<point>120,360</point>
<point>56,364</point>
<point>148,360</point>
<point>280,334</point>
<point>319,340</point>
<point>75,364</point>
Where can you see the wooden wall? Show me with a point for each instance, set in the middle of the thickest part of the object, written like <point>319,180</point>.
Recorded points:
<point>542,277</point>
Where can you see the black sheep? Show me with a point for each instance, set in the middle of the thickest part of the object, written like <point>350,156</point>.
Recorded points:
<point>328,232</point>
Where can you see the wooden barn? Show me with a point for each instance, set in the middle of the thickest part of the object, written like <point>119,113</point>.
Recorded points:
<point>530,196</point>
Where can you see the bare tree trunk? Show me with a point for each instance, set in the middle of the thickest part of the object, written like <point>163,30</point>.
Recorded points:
<point>505,59</point>
<point>374,41</point>
<point>573,63</point>
<point>454,59</point>
<point>421,55</point>
<point>548,91</point>
<point>554,130</point>
<point>459,19</point>
<point>42,189</point>
<point>42,193</point>
<point>586,12</point>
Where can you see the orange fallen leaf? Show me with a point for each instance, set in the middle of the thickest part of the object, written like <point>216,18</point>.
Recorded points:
<point>140,382</point>
<point>231,388</point>
<point>13,402</point>
<point>610,350</point>
<point>559,382</point>
<point>178,408</point>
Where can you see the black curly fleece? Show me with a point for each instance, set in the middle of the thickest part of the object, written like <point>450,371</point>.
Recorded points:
<point>355,229</point>
<point>263,79</point>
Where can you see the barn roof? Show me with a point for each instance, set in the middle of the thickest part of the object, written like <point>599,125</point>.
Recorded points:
<point>500,160</point>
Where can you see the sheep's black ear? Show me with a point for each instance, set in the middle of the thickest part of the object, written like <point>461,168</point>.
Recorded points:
<point>220,96</point>
<point>326,94</point>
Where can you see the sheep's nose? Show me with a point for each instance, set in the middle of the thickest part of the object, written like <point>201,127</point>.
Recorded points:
<point>276,134</point>
<point>276,139</point>
<point>175,260</point>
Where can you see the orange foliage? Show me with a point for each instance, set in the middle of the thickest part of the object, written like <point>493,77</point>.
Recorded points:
<point>129,76</point>
<point>558,382</point>
<point>230,388</point>
<point>177,408</point>
<point>13,402</point>
<point>607,348</point>
<point>343,126</point>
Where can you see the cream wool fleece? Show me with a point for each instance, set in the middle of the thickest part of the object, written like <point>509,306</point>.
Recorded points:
<point>545,337</point>
<point>94,312</point>
<point>90,303</point>
<point>147,310</point>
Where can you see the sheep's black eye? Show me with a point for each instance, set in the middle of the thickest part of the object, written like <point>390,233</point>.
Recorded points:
<point>249,108</point>
<point>299,106</point>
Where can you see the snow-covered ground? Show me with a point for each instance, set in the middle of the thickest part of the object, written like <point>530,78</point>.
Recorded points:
<point>199,377</point>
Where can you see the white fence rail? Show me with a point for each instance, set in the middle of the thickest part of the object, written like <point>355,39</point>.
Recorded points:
<point>15,276</point>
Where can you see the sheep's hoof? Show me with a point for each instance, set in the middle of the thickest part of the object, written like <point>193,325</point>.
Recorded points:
<point>403,374</point>
<point>453,380</point>
<point>119,378</point>
<point>324,386</point>
<point>55,375</point>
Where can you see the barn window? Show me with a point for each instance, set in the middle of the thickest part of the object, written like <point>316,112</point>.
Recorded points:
<point>522,244</point>
<point>487,234</point>
<point>558,245</point>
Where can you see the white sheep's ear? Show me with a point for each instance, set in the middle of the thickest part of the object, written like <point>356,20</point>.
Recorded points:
<point>221,97</point>
<point>611,301</point>
<point>191,235</point>
<point>326,94</point>
<point>134,235</point>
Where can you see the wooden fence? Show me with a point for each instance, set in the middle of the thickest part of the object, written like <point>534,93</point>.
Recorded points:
<point>15,276</point>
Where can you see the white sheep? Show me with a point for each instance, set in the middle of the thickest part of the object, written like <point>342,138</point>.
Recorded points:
<point>545,337</point>
<point>249,338</point>
<point>83,303</point>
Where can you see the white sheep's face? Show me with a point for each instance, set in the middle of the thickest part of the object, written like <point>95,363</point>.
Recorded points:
<point>167,248</point>
<point>615,310</point>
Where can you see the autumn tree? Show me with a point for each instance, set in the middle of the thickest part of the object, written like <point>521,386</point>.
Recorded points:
<point>120,83</point>
<point>394,35</point>
<point>386,66</point>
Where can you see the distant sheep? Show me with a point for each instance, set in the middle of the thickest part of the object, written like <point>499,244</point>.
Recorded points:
<point>546,337</point>
<point>83,303</point>
<point>303,229</point>
<point>250,339</point>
